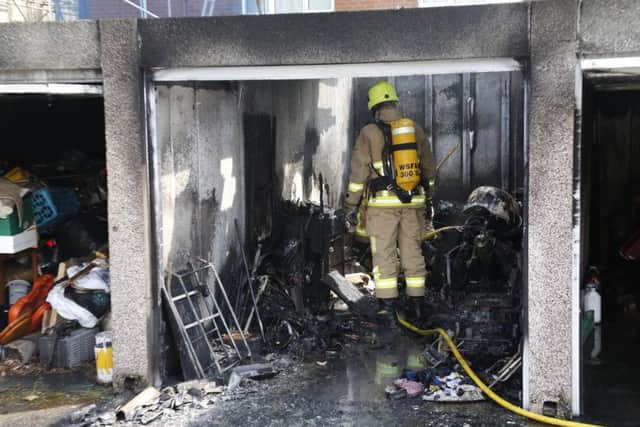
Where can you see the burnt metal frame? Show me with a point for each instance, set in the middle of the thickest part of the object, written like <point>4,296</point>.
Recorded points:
<point>212,315</point>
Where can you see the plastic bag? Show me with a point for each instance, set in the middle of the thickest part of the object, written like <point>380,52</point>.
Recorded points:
<point>96,280</point>
<point>69,309</point>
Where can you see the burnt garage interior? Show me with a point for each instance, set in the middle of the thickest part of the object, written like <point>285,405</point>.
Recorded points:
<point>53,155</point>
<point>249,178</point>
<point>610,239</point>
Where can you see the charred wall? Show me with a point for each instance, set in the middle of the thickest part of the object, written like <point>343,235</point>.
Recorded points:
<point>312,138</point>
<point>229,150</point>
<point>201,172</point>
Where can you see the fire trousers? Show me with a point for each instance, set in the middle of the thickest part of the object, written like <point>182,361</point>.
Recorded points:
<point>391,229</point>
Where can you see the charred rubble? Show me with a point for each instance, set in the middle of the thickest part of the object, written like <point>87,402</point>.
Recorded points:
<point>292,295</point>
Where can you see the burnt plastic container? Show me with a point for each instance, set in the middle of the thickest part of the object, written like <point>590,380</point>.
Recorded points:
<point>71,350</point>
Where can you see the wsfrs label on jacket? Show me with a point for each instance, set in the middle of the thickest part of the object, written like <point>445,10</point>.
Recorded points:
<point>407,170</point>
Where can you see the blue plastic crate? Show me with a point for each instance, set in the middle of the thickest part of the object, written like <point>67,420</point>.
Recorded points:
<point>54,204</point>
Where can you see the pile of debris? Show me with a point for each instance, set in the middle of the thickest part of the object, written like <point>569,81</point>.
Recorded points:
<point>54,277</point>
<point>176,401</point>
<point>435,385</point>
<point>288,300</point>
<point>152,405</point>
<point>278,303</point>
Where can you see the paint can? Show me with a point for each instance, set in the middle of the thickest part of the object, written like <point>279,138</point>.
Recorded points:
<point>104,357</point>
<point>17,289</point>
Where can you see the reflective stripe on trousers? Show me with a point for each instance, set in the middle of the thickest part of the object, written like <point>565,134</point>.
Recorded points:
<point>415,282</point>
<point>386,287</point>
<point>415,286</point>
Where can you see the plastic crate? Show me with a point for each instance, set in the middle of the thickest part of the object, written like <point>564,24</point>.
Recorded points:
<point>71,350</point>
<point>9,226</point>
<point>54,204</point>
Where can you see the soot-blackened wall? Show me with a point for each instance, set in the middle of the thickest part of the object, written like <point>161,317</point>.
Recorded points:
<point>228,150</point>
<point>200,144</point>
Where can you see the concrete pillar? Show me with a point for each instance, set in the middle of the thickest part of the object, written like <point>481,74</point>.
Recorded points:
<point>131,295</point>
<point>548,359</point>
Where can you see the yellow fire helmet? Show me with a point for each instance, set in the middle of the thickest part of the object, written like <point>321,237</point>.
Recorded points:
<point>381,92</point>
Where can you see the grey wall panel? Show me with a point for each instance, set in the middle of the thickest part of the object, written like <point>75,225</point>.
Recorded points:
<point>609,26</point>
<point>259,139</point>
<point>411,91</point>
<point>516,134</point>
<point>202,173</point>
<point>486,155</point>
<point>180,222</point>
<point>295,137</point>
<point>312,138</point>
<point>164,173</point>
<point>50,46</point>
<point>447,134</point>
<point>221,168</point>
<point>442,105</point>
<point>337,38</point>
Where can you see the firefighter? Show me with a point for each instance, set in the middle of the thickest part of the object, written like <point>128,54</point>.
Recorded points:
<point>392,174</point>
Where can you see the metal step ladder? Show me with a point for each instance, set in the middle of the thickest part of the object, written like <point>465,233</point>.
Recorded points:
<point>192,297</point>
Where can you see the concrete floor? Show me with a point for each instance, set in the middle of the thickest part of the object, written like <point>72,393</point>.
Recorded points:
<point>40,417</point>
<point>43,399</point>
<point>347,392</point>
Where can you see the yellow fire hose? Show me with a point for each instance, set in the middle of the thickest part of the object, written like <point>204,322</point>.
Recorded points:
<point>500,401</point>
<point>434,233</point>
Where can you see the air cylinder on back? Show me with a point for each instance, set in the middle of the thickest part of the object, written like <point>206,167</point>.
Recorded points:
<point>405,154</point>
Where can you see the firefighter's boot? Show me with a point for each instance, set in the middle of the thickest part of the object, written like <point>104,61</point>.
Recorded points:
<point>387,314</point>
<point>388,325</point>
<point>417,307</point>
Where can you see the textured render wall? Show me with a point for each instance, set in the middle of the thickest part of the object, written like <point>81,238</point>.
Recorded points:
<point>551,140</point>
<point>49,46</point>
<point>338,38</point>
<point>610,27</point>
<point>131,290</point>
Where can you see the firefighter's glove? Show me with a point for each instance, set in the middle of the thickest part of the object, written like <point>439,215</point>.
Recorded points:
<point>351,218</point>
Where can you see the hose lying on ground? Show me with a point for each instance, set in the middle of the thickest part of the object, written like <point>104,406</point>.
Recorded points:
<point>493,396</point>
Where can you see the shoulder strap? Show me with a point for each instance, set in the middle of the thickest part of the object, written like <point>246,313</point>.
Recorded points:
<point>387,160</point>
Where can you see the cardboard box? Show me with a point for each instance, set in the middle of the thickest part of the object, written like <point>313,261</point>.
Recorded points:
<point>19,242</point>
